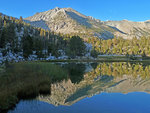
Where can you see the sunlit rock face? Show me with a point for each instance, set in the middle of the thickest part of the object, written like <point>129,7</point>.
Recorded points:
<point>130,29</point>
<point>68,20</point>
<point>107,77</point>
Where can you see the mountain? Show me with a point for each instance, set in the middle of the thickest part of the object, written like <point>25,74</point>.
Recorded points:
<point>129,29</point>
<point>68,20</point>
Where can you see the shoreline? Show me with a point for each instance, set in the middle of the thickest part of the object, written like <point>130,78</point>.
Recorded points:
<point>99,59</point>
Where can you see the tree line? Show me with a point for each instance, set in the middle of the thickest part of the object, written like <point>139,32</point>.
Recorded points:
<point>120,46</point>
<point>17,36</point>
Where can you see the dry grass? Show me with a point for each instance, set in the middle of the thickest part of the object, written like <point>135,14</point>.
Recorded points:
<point>27,80</point>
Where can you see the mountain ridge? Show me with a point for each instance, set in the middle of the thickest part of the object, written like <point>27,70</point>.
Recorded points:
<point>68,20</point>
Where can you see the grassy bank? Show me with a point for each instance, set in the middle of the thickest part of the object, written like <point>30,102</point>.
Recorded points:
<point>27,80</point>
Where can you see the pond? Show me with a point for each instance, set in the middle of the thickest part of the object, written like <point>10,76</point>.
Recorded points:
<point>108,87</point>
<point>101,103</point>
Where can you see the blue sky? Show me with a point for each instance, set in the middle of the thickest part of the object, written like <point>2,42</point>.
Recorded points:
<point>135,10</point>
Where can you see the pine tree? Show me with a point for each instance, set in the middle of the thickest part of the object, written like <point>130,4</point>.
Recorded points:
<point>3,38</point>
<point>38,47</point>
<point>94,53</point>
<point>76,47</point>
<point>21,20</point>
<point>5,24</point>
<point>41,32</point>
<point>27,46</point>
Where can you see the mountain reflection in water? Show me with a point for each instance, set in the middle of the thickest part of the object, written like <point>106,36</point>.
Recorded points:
<point>112,88</point>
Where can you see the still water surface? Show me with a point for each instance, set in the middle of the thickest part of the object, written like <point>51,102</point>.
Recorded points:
<point>102,103</point>
<point>95,88</point>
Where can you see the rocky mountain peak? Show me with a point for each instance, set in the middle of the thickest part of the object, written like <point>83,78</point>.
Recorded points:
<point>57,8</point>
<point>68,20</point>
